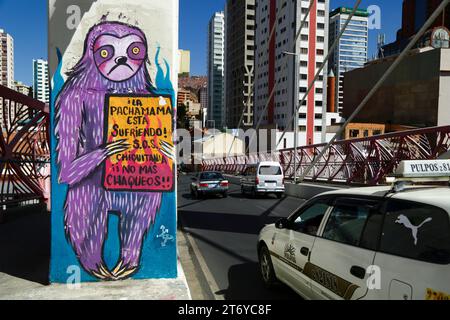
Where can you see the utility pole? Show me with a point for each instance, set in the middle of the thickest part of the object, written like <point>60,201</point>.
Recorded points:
<point>296,57</point>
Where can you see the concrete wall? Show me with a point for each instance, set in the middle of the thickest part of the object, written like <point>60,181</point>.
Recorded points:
<point>309,190</point>
<point>302,191</point>
<point>98,231</point>
<point>411,96</point>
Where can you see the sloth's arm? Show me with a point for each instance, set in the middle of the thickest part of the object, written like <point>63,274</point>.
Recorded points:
<point>74,167</point>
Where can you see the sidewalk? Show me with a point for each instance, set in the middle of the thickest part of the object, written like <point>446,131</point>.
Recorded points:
<point>24,263</point>
<point>12,288</point>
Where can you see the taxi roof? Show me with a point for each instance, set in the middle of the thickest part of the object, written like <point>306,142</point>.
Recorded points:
<point>433,195</point>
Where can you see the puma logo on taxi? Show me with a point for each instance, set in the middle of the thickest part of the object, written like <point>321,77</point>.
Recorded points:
<point>402,219</point>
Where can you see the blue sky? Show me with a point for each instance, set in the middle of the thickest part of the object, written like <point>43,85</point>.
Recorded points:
<point>26,21</point>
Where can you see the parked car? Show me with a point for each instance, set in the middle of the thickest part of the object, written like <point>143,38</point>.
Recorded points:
<point>263,178</point>
<point>209,183</point>
<point>387,242</point>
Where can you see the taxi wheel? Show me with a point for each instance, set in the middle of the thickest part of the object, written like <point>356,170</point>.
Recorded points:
<point>266,267</point>
<point>225,195</point>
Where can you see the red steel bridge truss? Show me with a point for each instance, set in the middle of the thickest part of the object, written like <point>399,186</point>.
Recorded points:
<point>359,161</point>
<point>24,148</point>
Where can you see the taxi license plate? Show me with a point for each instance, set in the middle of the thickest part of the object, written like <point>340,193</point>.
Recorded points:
<point>212,186</point>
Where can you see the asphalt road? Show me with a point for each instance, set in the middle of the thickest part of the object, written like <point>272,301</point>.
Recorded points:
<point>225,231</point>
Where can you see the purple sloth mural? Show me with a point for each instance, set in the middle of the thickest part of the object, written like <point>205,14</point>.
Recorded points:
<point>113,62</point>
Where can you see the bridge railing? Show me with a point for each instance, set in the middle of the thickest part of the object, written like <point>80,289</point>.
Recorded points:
<point>358,161</point>
<point>24,148</point>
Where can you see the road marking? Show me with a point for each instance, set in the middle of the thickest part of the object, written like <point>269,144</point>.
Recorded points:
<point>205,269</point>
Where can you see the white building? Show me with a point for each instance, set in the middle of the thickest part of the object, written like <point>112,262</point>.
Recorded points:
<point>184,62</point>
<point>21,88</point>
<point>41,85</point>
<point>6,60</point>
<point>272,68</point>
<point>216,72</point>
<point>287,141</point>
<point>216,144</point>
<point>352,51</point>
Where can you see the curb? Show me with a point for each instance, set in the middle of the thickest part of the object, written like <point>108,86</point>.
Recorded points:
<point>202,283</point>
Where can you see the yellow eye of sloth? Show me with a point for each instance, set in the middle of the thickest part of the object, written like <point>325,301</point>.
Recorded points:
<point>104,53</point>
<point>136,50</point>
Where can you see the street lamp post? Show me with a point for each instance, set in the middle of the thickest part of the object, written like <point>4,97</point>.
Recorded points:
<point>296,107</point>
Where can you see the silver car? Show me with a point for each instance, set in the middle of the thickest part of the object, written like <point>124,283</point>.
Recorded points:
<point>209,183</point>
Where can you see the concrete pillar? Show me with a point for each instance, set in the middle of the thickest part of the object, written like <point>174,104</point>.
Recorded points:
<point>113,195</point>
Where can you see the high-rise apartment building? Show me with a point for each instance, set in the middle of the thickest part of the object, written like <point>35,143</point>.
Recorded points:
<point>203,97</point>
<point>22,88</point>
<point>352,50</point>
<point>272,68</point>
<point>239,62</point>
<point>415,14</point>
<point>41,85</point>
<point>6,60</point>
<point>216,70</point>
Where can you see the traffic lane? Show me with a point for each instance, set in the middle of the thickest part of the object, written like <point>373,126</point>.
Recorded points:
<point>226,232</point>
<point>235,203</point>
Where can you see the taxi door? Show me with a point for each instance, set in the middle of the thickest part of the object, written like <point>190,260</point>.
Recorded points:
<point>345,250</point>
<point>414,253</point>
<point>293,243</point>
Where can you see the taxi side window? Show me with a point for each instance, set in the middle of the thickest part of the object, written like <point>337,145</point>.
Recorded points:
<point>308,220</point>
<point>416,231</point>
<point>349,222</point>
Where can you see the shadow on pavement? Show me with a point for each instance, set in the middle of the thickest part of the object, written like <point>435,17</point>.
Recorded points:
<point>219,247</point>
<point>249,196</point>
<point>245,284</point>
<point>25,244</point>
<point>225,222</point>
<point>228,222</point>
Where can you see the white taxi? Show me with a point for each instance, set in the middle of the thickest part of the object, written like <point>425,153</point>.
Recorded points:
<point>387,242</point>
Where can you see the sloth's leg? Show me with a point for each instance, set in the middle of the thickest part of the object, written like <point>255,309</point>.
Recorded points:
<point>86,227</point>
<point>136,219</point>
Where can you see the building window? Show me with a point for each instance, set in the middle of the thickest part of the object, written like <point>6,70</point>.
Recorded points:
<point>354,133</point>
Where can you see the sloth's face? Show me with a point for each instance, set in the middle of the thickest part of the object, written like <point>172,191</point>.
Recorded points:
<point>118,59</point>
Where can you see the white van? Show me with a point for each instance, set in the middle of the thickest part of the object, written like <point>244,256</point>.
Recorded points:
<point>263,178</point>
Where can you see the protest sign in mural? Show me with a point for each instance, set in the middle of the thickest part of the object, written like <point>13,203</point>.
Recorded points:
<point>145,123</point>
